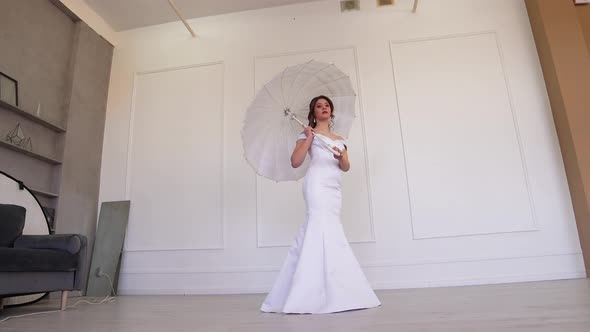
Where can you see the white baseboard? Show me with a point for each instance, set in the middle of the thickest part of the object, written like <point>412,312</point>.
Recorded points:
<point>244,280</point>
<point>481,281</point>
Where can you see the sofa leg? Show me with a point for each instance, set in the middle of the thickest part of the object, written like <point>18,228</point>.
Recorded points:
<point>1,303</point>
<point>64,299</point>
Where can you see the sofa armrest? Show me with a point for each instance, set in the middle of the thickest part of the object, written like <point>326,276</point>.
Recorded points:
<point>75,244</point>
<point>71,243</point>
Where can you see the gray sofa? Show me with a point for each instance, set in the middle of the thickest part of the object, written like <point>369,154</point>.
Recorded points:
<point>32,264</point>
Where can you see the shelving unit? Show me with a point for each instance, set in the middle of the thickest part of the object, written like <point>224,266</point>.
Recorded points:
<point>29,153</point>
<point>47,195</point>
<point>44,193</point>
<point>33,118</point>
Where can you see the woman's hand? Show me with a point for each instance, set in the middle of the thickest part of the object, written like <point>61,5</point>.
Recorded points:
<point>343,162</point>
<point>301,148</point>
<point>341,152</point>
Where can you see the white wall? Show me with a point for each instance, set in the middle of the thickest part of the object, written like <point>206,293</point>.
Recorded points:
<point>457,176</point>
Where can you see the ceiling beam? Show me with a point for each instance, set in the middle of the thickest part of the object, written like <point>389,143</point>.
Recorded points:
<point>173,5</point>
<point>65,10</point>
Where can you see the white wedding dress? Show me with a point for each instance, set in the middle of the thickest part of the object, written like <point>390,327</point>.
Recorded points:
<point>321,273</point>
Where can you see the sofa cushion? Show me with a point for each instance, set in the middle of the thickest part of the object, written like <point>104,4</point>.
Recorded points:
<point>67,242</point>
<point>12,223</point>
<point>36,260</point>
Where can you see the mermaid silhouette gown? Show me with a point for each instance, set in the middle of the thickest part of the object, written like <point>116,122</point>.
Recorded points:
<point>321,273</point>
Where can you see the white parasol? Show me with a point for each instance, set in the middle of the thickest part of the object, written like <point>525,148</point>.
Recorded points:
<point>279,112</point>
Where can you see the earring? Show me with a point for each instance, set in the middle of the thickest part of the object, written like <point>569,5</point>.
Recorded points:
<point>313,120</point>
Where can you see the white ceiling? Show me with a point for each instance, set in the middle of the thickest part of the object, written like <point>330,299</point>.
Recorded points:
<point>131,14</point>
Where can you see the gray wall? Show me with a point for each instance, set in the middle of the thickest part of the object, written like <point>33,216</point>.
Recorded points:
<point>80,172</point>
<point>35,48</point>
<point>63,64</point>
<point>36,41</point>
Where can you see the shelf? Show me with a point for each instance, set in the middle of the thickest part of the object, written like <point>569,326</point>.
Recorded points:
<point>31,117</point>
<point>29,153</point>
<point>43,193</point>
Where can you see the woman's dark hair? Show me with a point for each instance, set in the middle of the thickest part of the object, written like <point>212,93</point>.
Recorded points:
<point>311,114</point>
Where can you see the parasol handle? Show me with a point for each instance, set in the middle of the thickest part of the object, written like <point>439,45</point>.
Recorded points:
<point>327,144</point>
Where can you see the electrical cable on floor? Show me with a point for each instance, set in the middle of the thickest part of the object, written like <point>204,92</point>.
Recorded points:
<point>108,299</point>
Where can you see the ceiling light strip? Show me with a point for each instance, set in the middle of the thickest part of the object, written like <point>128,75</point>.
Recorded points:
<point>173,5</point>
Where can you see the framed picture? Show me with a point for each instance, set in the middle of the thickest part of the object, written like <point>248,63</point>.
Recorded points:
<point>8,89</point>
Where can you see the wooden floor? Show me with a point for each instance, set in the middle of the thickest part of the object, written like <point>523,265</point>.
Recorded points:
<point>556,306</point>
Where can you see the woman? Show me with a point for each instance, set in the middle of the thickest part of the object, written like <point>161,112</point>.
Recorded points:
<point>321,273</point>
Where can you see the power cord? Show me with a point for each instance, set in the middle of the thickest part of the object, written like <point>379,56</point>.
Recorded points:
<point>108,299</point>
